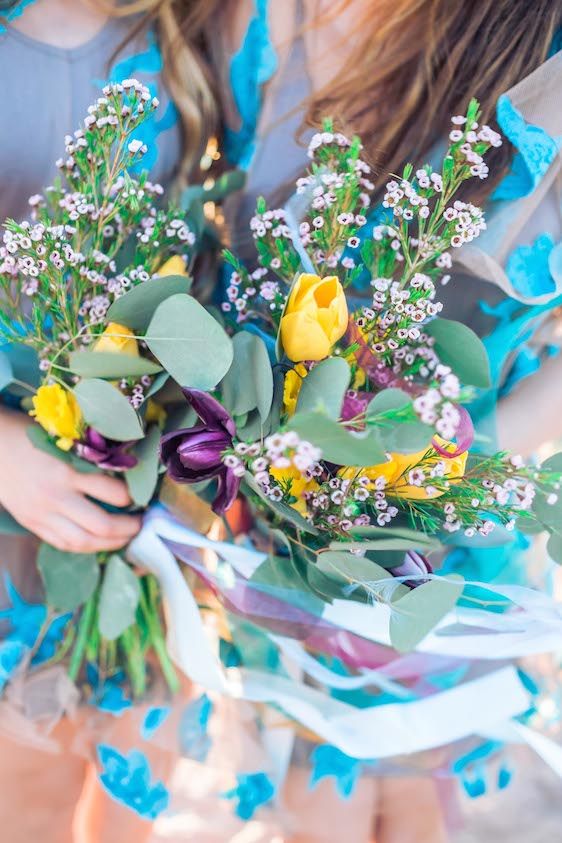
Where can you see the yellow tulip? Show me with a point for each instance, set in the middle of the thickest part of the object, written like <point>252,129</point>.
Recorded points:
<point>57,410</point>
<point>292,387</point>
<point>315,318</point>
<point>117,339</point>
<point>299,484</point>
<point>173,266</point>
<point>398,466</point>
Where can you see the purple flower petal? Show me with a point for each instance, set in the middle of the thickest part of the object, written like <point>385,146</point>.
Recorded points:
<point>211,413</point>
<point>228,486</point>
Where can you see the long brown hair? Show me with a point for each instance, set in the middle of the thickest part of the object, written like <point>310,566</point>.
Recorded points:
<point>420,61</point>
<point>180,26</point>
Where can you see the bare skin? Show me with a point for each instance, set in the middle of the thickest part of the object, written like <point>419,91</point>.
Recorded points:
<point>50,498</point>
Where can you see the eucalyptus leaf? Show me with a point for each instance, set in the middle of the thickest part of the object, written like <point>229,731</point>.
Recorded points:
<point>348,569</point>
<point>9,526</point>
<point>460,348</point>
<point>119,598</point>
<point>189,343</point>
<point>107,410</point>
<point>554,547</point>
<point>389,543</point>
<point>386,401</point>
<point>25,367</point>
<point>6,371</point>
<point>324,388</point>
<point>405,437</point>
<point>248,384</point>
<point>41,440</point>
<point>253,427</point>
<point>337,444</point>
<point>104,364</point>
<point>70,578</point>
<point>553,463</point>
<point>137,307</point>
<point>549,514</point>
<point>418,612</point>
<point>142,478</point>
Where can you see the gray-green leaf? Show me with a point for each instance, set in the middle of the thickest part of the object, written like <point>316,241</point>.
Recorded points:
<point>70,578</point>
<point>104,364</point>
<point>248,384</point>
<point>460,348</point>
<point>107,410</point>
<point>137,307</point>
<point>142,479</point>
<point>119,598</point>
<point>337,444</point>
<point>418,612</point>
<point>189,343</point>
<point>324,388</point>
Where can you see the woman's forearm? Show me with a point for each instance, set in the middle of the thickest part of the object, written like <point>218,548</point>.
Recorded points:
<point>532,414</point>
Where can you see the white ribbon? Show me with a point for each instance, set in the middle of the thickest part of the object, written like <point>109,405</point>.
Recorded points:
<point>473,707</point>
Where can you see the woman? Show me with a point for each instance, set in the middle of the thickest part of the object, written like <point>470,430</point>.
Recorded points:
<point>56,56</point>
<point>395,71</point>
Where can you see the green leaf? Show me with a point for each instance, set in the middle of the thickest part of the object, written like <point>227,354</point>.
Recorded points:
<point>386,401</point>
<point>549,514</point>
<point>25,366</point>
<point>119,598</point>
<point>248,384</point>
<point>389,543</point>
<point>420,541</point>
<point>554,548</point>
<point>460,348</point>
<point>107,410</point>
<point>142,479</point>
<point>104,364</point>
<point>346,568</point>
<point>324,388</point>
<point>418,612</point>
<point>9,526</point>
<point>137,307</point>
<point>189,343</point>
<point>6,371</point>
<point>70,578</point>
<point>553,463</point>
<point>336,443</point>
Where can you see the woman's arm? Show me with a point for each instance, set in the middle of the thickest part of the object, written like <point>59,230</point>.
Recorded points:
<point>532,414</point>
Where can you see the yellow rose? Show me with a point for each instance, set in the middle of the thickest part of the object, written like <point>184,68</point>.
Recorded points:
<point>299,485</point>
<point>292,387</point>
<point>398,466</point>
<point>57,410</point>
<point>173,266</point>
<point>117,339</point>
<point>315,318</point>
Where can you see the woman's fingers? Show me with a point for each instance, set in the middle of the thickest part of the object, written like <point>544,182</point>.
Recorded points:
<point>107,489</point>
<point>92,518</point>
<point>68,536</point>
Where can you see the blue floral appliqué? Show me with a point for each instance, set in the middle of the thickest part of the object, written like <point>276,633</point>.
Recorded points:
<point>195,741</point>
<point>528,268</point>
<point>11,655</point>
<point>252,66</point>
<point>251,791</point>
<point>536,151</point>
<point>127,779</point>
<point>108,694</point>
<point>327,761</point>
<point>153,720</point>
<point>26,621</point>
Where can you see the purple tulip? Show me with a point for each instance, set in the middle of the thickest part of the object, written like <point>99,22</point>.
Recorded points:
<point>195,454</point>
<point>413,565</point>
<point>105,453</point>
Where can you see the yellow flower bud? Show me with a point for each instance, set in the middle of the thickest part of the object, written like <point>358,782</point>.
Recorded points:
<point>173,266</point>
<point>315,318</point>
<point>117,339</point>
<point>292,387</point>
<point>299,484</point>
<point>398,466</point>
<point>57,411</point>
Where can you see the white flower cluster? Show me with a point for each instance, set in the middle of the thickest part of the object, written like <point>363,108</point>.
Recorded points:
<point>469,222</point>
<point>475,135</point>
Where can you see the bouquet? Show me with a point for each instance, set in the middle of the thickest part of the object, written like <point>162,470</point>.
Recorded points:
<point>342,421</point>
<point>96,317</point>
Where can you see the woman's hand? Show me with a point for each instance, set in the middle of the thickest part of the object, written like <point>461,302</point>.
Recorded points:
<point>49,498</point>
